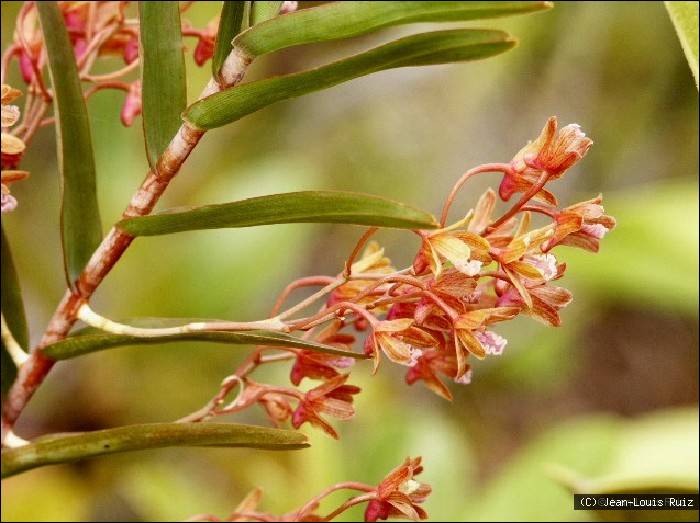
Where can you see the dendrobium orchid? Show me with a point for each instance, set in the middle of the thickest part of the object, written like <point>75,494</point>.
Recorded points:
<point>552,153</point>
<point>428,368</point>
<point>333,398</point>
<point>399,495</point>
<point>317,365</point>
<point>454,244</point>
<point>581,225</point>
<point>387,338</point>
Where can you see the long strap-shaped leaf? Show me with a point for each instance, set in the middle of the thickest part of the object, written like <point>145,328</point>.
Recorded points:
<point>231,23</point>
<point>64,448</point>
<point>422,49</point>
<point>296,207</point>
<point>164,88</point>
<point>338,20</point>
<point>80,217</point>
<point>12,310</point>
<point>93,340</point>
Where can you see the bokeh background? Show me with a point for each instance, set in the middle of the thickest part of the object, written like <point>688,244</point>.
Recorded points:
<point>612,395</point>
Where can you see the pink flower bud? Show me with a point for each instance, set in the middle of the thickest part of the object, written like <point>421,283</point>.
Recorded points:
<point>79,48</point>
<point>132,104</point>
<point>25,67</point>
<point>74,21</point>
<point>131,50</point>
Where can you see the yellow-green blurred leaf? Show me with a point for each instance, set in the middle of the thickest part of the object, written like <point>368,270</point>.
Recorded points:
<point>656,454</point>
<point>589,451</point>
<point>684,16</point>
<point>648,258</point>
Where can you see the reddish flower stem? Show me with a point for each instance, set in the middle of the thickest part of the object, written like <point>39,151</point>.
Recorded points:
<point>360,244</point>
<point>539,209</point>
<point>541,182</point>
<point>349,503</point>
<point>484,168</point>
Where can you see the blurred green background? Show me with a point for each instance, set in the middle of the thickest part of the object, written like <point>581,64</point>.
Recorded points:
<point>610,396</point>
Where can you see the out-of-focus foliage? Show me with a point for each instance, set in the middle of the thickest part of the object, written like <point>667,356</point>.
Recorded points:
<point>685,17</point>
<point>594,454</point>
<point>628,345</point>
<point>669,215</point>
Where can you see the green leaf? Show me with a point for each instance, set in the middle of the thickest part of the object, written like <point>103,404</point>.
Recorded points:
<point>295,207</point>
<point>642,213</point>
<point>89,340</point>
<point>80,216</point>
<point>422,49</point>
<point>231,23</point>
<point>262,11</point>
<point>12,310</point>
<point>338,20</point>
<point>684,16</point>
<point>65,448</point>
<point>659,453</point>
<point>164,88</point>
<point>578,453</point>
<point>656,454</point>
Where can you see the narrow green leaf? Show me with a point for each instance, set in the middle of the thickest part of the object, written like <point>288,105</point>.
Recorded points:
<point>231,23</point>
<point>337,20</point>
<point>421,49</point>
<point>164,88</point>
<point>80,216</point>
<point>12,310</point>
<point>263,11</point>
<point>295,207</point>
<point>65,448</point>
<point>91,340</point>
<point>684,16</point>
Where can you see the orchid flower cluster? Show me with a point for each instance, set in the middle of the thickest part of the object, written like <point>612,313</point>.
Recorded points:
<point>398,495</point>
<point>437,316</point>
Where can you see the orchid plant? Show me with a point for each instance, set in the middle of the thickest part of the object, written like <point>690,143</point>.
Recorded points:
<point>433,317</point>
